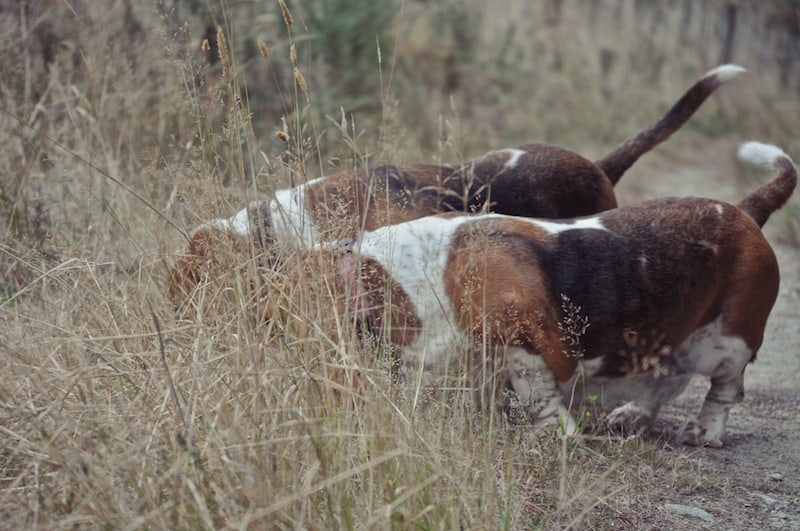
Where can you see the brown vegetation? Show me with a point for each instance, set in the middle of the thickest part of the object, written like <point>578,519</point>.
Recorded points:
<point>121,131</point>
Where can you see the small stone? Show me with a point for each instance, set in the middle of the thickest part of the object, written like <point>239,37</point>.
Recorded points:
<point>769,500</point>
<point>776,476</point>
<point>688,510</point>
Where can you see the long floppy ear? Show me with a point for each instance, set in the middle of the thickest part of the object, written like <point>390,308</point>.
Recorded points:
<point>187,271</point>
<point>196,263</point>
<point>347,267</point>
<point>211,255</point>
<point>303,303</point>
<point>304,296</point>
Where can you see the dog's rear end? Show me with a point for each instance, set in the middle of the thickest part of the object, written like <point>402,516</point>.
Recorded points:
<point>710,292</point>
<point>753,290</point>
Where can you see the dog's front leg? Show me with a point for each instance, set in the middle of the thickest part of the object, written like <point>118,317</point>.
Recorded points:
<point>537,389</point>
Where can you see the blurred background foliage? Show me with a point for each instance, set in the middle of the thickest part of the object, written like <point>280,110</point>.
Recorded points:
<point>127,89</point>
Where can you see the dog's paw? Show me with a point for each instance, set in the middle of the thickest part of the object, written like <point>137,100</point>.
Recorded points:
<point>567,424</point>
<point>696,435</point>
<point>564,423</point>
<point>629,416</point>
<point>558,416</point>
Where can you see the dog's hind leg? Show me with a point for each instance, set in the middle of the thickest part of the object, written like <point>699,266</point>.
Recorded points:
<point>709,428</point>
<point>723,359</point>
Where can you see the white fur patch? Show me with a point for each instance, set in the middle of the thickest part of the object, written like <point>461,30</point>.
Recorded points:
<point>720,209</point>
<point>643,262</point>
<point>554,227</point>
<point>725,72</point>
<point>763,155</point>
<point>723,359</point>
<point>710,353</point>
<point>414,254</point>
<point>291,222</point>
<point>238,224</point>
<point>536,387</point>
<point>513,158</point>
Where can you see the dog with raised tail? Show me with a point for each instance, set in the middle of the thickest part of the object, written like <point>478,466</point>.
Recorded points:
<point>534,180</point>
<point>625,305</point>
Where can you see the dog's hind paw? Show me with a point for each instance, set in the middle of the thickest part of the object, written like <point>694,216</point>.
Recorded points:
<point>696,435</point>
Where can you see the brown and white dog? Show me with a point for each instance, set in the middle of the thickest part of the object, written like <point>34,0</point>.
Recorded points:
<point>625,305</point>
<point>534,180</point>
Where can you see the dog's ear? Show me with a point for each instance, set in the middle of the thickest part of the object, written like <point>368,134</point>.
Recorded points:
<point>276,290</point>
<point>353,294</point>
<point>210,254</point>
<point>191,266</point>
<point>304,296</point>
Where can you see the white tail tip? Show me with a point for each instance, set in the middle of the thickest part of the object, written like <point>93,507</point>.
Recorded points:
<point>760,154</point>
<point>725,72</point>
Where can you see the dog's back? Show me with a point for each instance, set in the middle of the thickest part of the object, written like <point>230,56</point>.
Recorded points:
<point>658,291</point>
<point>534,180</point>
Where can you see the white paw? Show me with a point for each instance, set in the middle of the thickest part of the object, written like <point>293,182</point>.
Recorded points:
<point>629,415</point>
<point>559,417</point>
<point>568,423</point>
<point>696,435</point>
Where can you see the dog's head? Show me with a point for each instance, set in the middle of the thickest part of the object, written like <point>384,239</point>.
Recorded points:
<point>220,246</point>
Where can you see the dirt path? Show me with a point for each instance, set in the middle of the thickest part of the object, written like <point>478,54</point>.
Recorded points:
<point>754,481</point>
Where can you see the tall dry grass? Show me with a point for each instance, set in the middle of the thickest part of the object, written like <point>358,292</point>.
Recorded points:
<point>121,132</point>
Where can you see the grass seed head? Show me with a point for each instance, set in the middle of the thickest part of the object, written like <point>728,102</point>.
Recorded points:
<point>287,15</point>
<point>301,81</point>
<point>223,50</point>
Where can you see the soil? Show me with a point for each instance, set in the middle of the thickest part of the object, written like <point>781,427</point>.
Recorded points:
<point>753,482</point>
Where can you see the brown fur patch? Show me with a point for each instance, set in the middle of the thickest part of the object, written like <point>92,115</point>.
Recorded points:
<point>754,284</point>
<point>209,255</point>
<point>388,305</point>
<point>499,294</point>
<point>346,203</point>
<point>545,182</point>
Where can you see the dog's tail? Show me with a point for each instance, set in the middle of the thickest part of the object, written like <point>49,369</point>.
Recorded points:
<point>616,163</point>
<point>766,199</point>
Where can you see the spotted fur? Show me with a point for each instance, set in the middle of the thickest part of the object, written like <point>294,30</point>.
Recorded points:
<point>654,292</point>
<point>534,180</point>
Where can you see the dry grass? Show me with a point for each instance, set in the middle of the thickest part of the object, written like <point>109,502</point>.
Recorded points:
<point>120,134</point>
